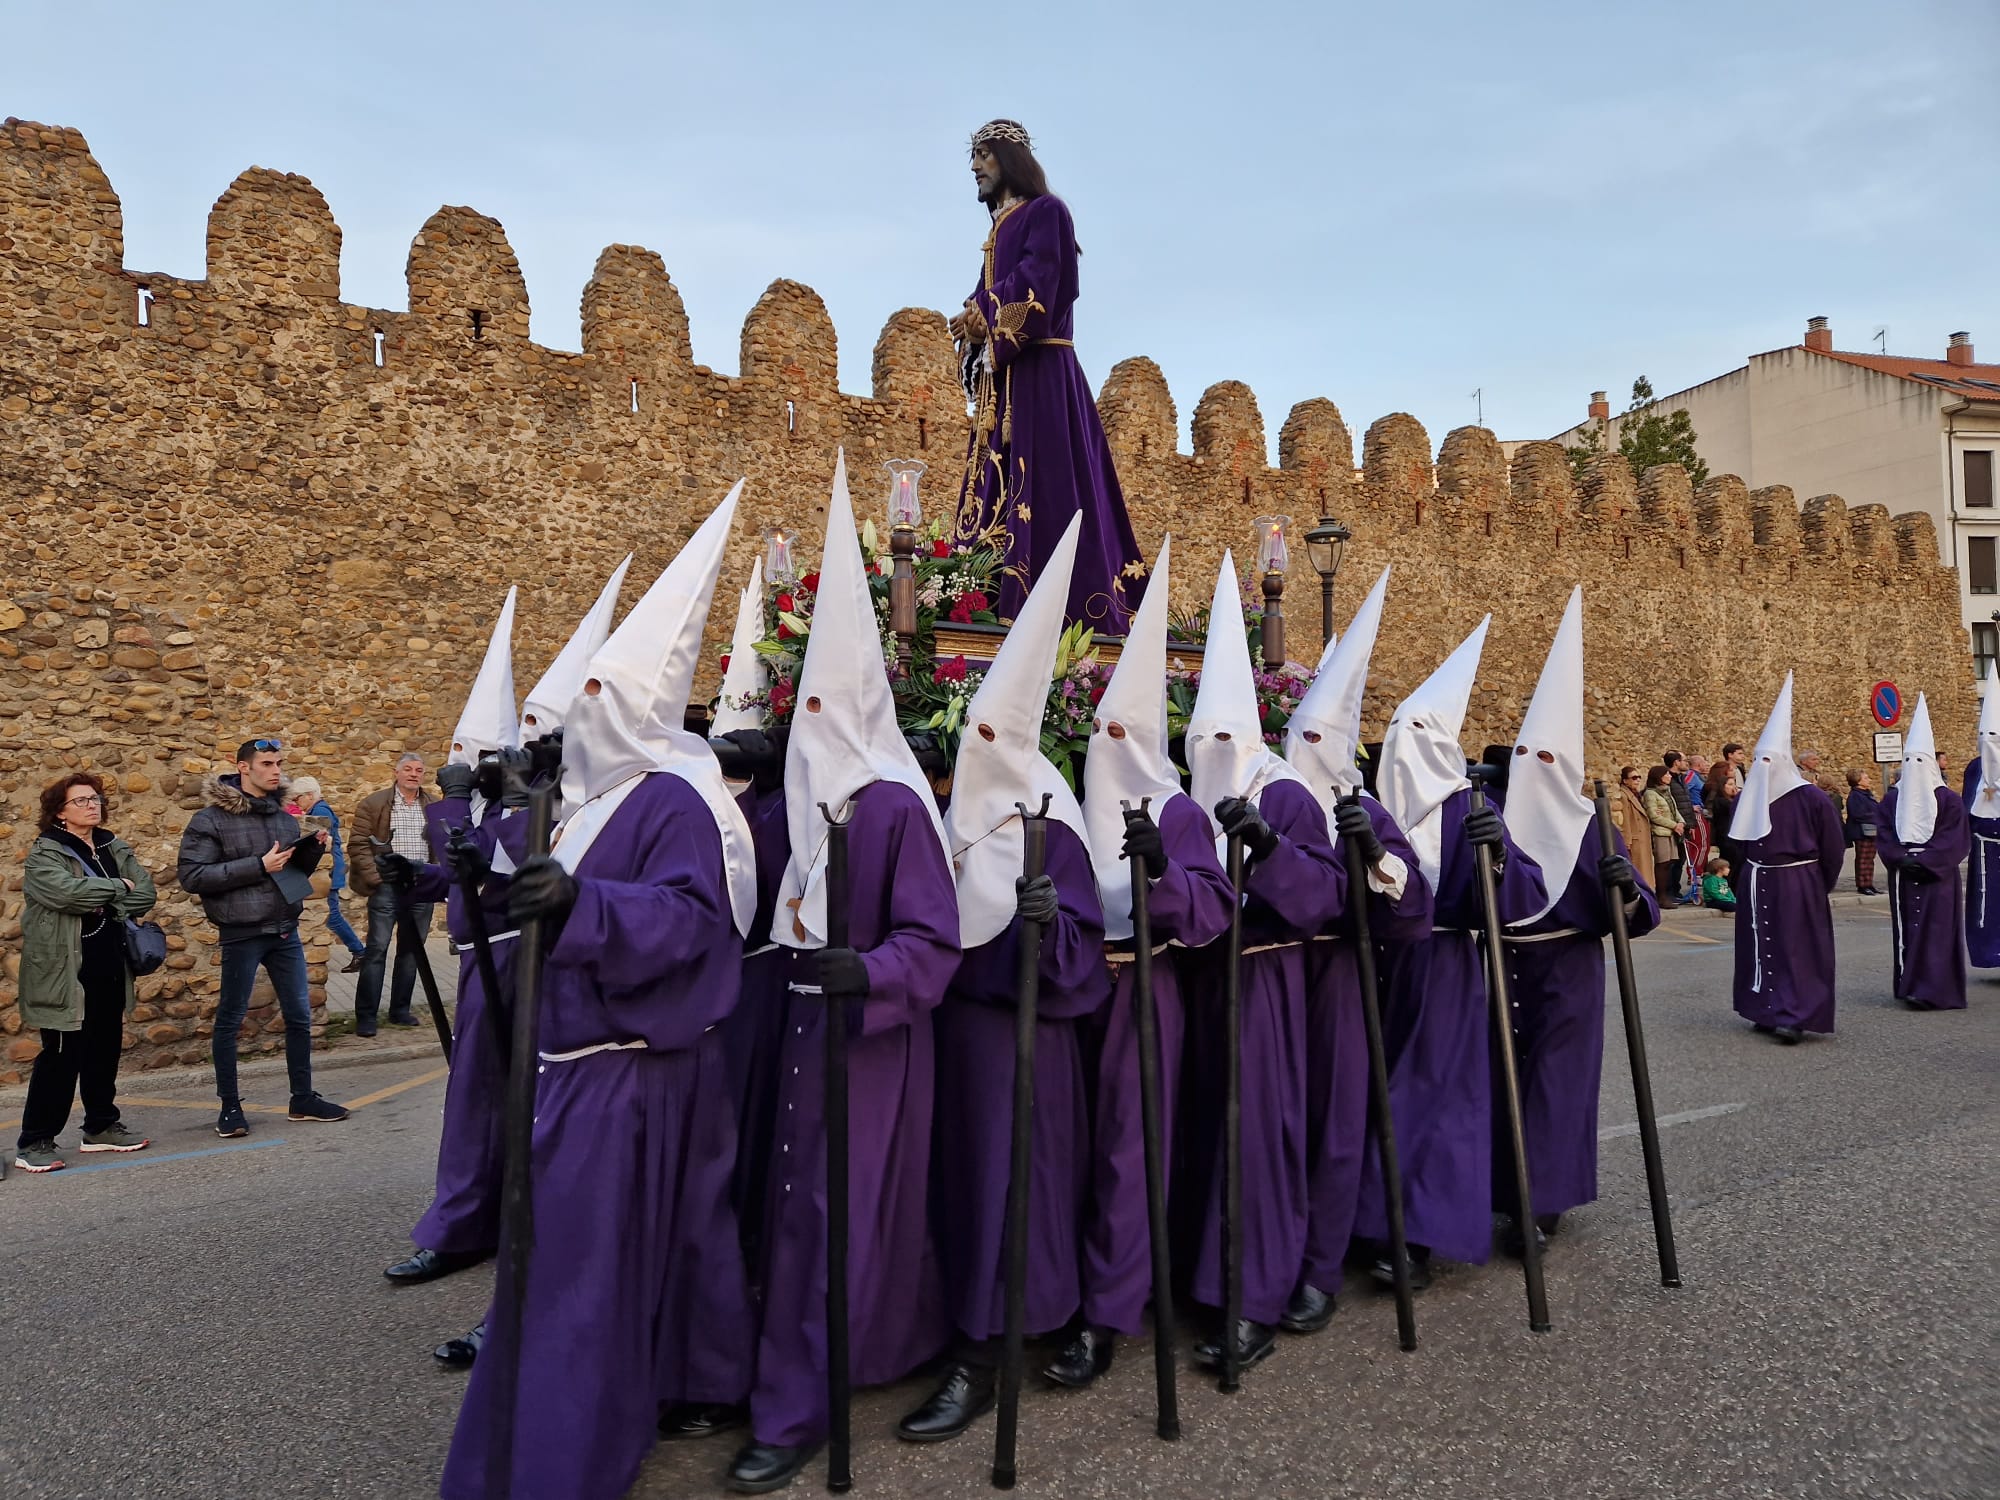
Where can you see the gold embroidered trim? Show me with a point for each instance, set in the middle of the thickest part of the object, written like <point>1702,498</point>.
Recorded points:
<point>1012,317</point>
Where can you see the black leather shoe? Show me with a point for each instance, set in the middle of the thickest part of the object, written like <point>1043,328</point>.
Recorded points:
<point>1516,1247</point>
<point>700,1419</point>
<point>406,1018</point>
<point>364,1028</point>
<point>428,1265</point>
<point>1308,1311</point>
<point>1255,1343</point>
<point>459,1354</point>
<point>1791,1036</point>
<point>1548,1223</point>
<point>962,1397</point>
<point>760,1468</point>
<point>1085,1357</point>
<point>1760,1027</point>
<point>1420,1270</point>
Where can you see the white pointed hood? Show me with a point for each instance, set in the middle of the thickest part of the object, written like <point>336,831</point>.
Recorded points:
<point>1773,772</point>
<point>1547,813</point>
<point>633,723</point>
<point>1422,764</point>
<point>488,721</point>
<point>1323,736</point>
<point>1987,803</point>
<point>1128,759</point>
<point>844,732</point>
<point>1917,785</point>
<point>1000,760</point>
<point>747,672</point>
<point>549,699</point>
<point>1226,753</point>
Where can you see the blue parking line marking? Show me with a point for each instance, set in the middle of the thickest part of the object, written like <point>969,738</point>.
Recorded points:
<point>141,1159</point>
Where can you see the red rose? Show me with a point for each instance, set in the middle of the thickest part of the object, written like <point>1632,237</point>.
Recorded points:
<point>781,698</point>
<point>1097,695</point>
<point>961,612</point>
<point>784,631</point>
<point>785,604</point>
<point>940,548</point>
<point>951,669</point>
<point>725,661</point>
<point>810,583</point>
<point>974,600</point>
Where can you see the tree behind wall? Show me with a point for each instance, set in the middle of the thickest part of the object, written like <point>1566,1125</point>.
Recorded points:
<point>1646,437</point>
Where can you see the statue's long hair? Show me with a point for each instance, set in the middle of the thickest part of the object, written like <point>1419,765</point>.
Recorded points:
<point>1019,171</point>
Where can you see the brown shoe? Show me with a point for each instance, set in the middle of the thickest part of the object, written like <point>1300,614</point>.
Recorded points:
<point>353,964</point>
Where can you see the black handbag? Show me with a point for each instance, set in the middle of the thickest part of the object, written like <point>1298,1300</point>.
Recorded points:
<point>145,942</point>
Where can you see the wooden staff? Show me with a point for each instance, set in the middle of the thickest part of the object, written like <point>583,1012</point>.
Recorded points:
<point>482,953</point>
<point>409,937</point>
<point>839,1377</point>
<point>1231,1379</point>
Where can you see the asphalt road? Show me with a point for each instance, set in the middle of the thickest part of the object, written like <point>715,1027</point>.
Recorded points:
<point>209,1320</point>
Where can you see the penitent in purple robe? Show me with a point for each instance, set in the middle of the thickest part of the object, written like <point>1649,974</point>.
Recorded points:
<point>1436,1030</point>
<point>904,922</point>
<point>1982,896</point>
<point>1337,1055</point>
<point>1555,980</point>
<point>751,1034</point>
<point>464,1216</point>
<point>1189,907</point>
<point>636,1292</point>
<point>975,1109</point>
<point>1037,453</point>
<point>1925,934</point>
<point>1784,926</point>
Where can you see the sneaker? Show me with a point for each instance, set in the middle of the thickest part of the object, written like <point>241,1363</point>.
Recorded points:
<point>114,1137</point>
<point>230,1123</point>
<point>312,1107</point>
<point>40,1157</point>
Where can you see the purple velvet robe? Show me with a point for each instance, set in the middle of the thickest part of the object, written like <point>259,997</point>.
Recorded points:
<point>464,1216</point>
<point>1436,1027</point>
<point>751,1034</point>
<point>1784,926</point>
<point>1982,898</point>
<point>1926,935</point>
<point>1189,907</point>
<point>1555,981</point>
<point>1037,453</point>
<point>1337,1054</point>
<point>975,1110</point>
<point>1289,895</point>
<point>904,922</point>
<point>636,1293</point>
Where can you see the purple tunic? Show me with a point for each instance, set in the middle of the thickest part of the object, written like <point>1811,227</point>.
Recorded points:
<point>1436,1028</point>
<point>1555,980</point>
<point>1037,452</point>
<point>1982,903</point>
<point>1337,1056</point>
<point>636,1294</point>
<point>975,1110</point>
<point>904,921</point>
<point>1189,907</point>
<point>751,1034</point>
<point>1784,926</point>
<point>1926,935</point>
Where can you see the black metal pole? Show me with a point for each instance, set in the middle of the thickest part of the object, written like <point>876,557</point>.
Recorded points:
<point>517,1204</point>
<point>1378,1088</point>
<point>1635,1049</point>
<point>1325,609</point>
<point>1152,1130</point>
<point>1231,1379</point>
<point>410,937</point>
<point>498,1011</point>
<point>1510,1078</point>
<point>1027,987</point>
<point>839,1379</point>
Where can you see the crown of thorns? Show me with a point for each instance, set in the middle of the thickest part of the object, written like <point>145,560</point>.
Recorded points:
<point>1002,130</point>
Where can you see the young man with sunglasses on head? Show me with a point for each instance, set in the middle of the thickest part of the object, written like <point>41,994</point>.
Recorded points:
<point>243,854</point>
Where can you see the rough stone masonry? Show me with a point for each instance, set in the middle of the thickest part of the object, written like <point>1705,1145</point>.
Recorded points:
<point>243,505</point>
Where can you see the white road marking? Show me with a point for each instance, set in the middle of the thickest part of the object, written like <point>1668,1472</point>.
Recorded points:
<point>1613,1132</point>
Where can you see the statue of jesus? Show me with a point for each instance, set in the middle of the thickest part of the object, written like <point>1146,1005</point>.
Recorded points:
<point>1037,453</point>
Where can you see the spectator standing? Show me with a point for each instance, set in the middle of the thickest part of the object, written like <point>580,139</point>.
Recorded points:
<point>1628,813</point>
<point>81,884</point>
<point>1724,786</point>
<point>1697,778</point>
<point>308,800</point>
<point>1664,820</point>
<point>394,816</point>
<point>1826,781</point>
<point>1859,826</point>
<point>244,856</point>
<point>1687,802</point>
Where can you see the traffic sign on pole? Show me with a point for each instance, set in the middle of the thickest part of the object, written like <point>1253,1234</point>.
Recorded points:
<point>1885,701</point>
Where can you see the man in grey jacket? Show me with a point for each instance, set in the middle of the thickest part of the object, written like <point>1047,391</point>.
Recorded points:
<point>243,855</point>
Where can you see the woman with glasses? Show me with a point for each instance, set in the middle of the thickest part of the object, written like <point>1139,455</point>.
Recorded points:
<point>1628,815</point>
<point>82,884</point>
<point>1668,831</point>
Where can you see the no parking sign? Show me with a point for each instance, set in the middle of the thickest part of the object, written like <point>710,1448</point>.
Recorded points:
<point>1885,701</point>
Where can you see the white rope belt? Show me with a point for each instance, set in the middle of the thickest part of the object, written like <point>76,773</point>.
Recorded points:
<point>634,1046</point>
<point>1540,937</point>
<point>1124,956</point>
<point>1979,876</point>
<point>803,989</point>
<point>498,937</point>
<point>1757,927</point>
<point>1274,947</point>
<point>760,952</point>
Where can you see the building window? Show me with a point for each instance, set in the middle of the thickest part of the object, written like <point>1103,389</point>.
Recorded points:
<point>1979,479</point>
<point>1979,565</point>
<point>1985,646</point>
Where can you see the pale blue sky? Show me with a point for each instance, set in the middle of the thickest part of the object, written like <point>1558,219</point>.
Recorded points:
<point>1388,204</point>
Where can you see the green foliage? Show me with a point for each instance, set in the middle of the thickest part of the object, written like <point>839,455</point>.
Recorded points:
<point>1646,437</point>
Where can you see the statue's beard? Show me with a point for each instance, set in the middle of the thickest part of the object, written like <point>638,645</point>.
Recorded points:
<point>992,195</point>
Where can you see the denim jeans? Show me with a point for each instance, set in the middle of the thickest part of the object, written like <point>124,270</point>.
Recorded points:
<point>374,958</point>
<point>284,960</point>
<point>337,924</point>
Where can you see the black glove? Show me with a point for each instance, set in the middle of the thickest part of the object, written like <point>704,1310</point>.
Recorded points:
<point>545,756</point>
<point>1616,871</point>
<point>1352,825</point>
<point>752,755</point>
<point>395,869</point>
<point>1483,827</point>
<point>455,781</point>
<point>842,974</point>
<point>1240,819</point>
<point>1913,869</point>
<point>463,857</point>
<point>541,888</point>
<point>517,774</point>
<point>1143,844</point>
<point>486,778</point>
<point>1036,899</point>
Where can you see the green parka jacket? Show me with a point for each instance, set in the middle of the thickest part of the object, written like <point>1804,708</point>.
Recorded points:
<point>60,895</point>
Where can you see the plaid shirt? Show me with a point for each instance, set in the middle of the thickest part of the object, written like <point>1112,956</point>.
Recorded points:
<point>406,828</point>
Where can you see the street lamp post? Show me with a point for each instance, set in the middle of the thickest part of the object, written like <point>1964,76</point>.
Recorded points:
<point>1324,545</point>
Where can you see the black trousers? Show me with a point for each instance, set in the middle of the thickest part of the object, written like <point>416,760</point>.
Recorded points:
<point>68,1058</point>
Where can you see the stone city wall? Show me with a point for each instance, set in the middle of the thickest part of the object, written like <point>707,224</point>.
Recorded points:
<point>262,509</point>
